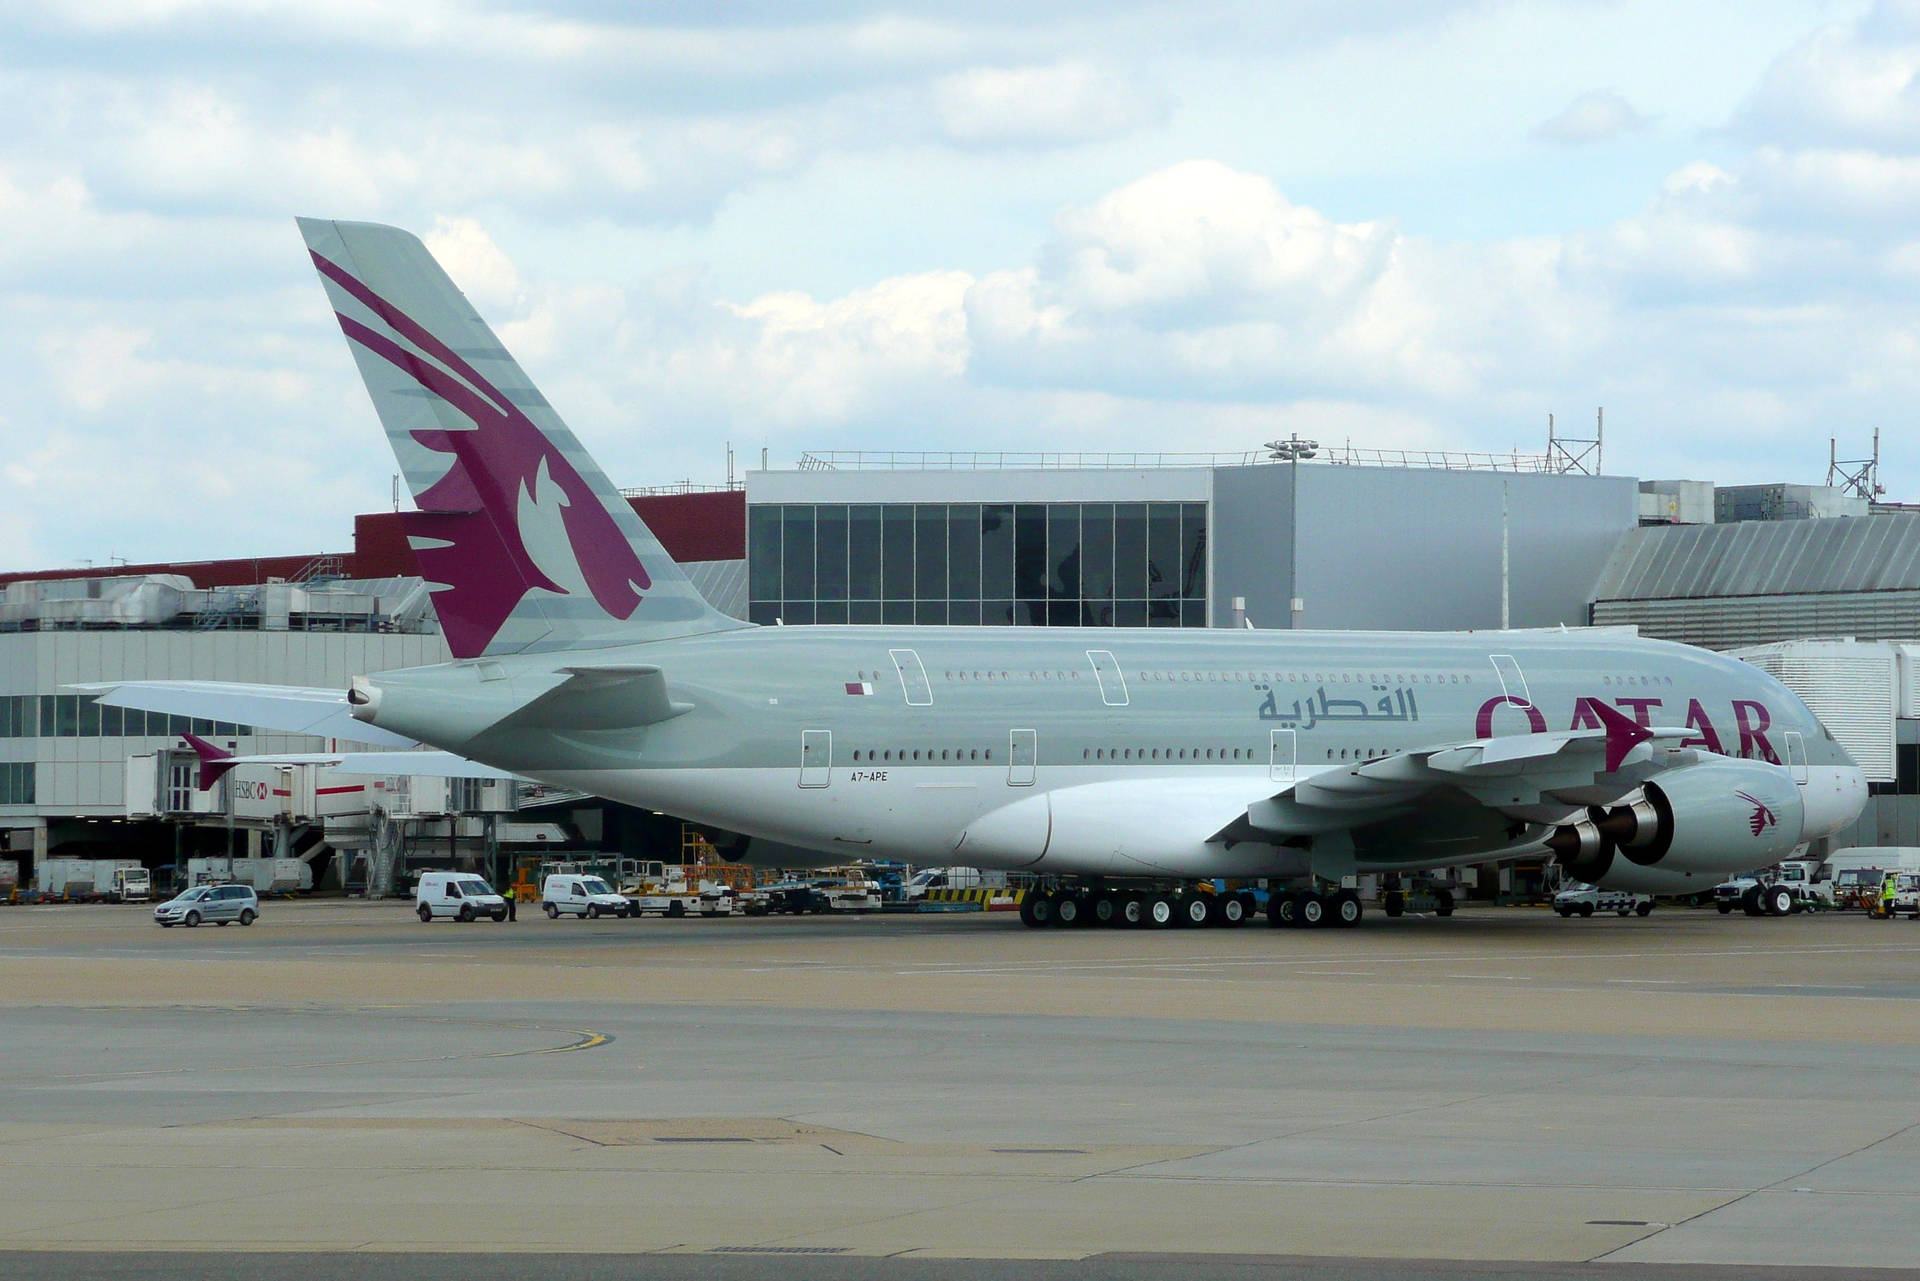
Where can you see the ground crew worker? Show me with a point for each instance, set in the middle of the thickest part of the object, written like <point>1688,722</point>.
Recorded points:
<point>510,897</point>
<point>1887,885</point>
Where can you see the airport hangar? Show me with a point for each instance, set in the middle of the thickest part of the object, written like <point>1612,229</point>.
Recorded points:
<point>1350,539</point>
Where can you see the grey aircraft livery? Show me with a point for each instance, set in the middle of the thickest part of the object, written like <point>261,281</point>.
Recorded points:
<point>1127,764</point>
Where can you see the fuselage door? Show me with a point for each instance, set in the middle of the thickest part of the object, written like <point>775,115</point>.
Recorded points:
<point>1797,757</point>
<point>913,678</point>
<point>1280,755</point>
<point>816,757</point>
<point>1512,679</point>
<point>1113,684</point>
<point>1023,751</point>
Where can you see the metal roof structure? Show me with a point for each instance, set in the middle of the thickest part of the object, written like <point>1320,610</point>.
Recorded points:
<point>1764,558</point>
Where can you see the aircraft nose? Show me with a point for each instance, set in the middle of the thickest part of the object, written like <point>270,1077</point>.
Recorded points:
<point>1832,799</point>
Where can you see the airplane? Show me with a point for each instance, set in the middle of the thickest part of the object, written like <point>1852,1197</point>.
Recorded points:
<point>1126,765</point>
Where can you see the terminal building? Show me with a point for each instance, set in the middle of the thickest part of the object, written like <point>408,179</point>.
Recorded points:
<point>1350,540</point>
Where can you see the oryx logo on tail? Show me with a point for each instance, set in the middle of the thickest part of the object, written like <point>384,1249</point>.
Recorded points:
<point>512,514</point>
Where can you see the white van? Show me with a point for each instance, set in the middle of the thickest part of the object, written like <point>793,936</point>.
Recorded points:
<point>460,895</point>
<point>580,895</point>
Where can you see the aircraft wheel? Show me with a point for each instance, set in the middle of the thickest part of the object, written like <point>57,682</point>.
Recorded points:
<point>1284,908</point>
<point>1347,909</point>
<point>1069,910</point>
<point>1036,909</point>
<point>1105,910</point>
<point>1310,911</point>
<point>1198,910</point>
<point>1233,910</point>
<point>1132,911</point>
<point>1159,912</point>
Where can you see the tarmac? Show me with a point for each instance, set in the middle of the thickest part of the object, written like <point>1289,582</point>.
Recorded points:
<point>956,1095</point>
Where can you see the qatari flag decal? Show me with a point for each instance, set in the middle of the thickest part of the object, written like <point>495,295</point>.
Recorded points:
<point>859,687</point>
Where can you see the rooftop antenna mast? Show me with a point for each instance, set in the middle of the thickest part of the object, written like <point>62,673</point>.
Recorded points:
<point>1859,477</point>
<point>1567,455</point>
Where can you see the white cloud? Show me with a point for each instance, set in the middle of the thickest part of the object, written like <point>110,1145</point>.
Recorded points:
<point>1064,103</point>
<point>476,263</point>
<point>1079,226</point>
<point>1595,116</point>
<point>1853,84</point>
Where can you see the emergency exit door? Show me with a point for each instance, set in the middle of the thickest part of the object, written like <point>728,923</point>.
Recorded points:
<point>1280,755</point>
<point>816,757</point>
<point>1022,752</point>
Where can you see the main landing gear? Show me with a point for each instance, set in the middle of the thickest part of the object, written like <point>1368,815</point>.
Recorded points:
<point>1144,909</point>
<point>1164,908</point>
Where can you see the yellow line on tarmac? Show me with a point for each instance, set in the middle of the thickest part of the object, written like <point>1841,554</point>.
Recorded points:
<point>587,1041</point>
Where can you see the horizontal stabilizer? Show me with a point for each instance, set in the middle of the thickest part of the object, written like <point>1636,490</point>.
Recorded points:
<point>416,764</point>
<point>283,709</point>
<point>616,696</point>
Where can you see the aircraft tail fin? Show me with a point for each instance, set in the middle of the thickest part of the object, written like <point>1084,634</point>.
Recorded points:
<point>524,542</point>
<point>214,761</point>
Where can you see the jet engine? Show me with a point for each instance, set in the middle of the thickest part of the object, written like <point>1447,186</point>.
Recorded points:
<point>1715,817</point>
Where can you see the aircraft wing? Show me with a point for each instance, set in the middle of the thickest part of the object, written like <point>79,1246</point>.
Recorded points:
<point>285,709</point>
<point>1528,777</point>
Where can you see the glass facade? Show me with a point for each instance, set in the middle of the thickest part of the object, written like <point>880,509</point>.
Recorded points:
<point>1031,564</point>
<point>16,783</point>
<point>81,716</point>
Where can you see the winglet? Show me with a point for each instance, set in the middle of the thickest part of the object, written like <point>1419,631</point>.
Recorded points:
<point>1623,734</point>
<point>214,763</point>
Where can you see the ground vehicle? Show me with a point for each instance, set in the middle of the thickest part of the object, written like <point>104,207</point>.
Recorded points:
<point>1857,888</point>
<point>675,897</point>
<point>460,895</point>
<point>266,875</point>
<point>587,896</point>
<point>793,898</point>
<point>1581,899</point>
<point>1859,871</point>
<point>132,884</point>
<point>945,878</point>
<point>1906,895</point>
<point>216,903</point>
<point>1794,886</point>
<point>82,878</point>
<point>848,889</point>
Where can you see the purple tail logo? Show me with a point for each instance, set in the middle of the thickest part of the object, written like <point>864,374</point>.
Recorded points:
<point>512,514</point>
<point>1762,817</point>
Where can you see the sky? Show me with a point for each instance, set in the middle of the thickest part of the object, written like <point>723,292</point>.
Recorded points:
<point>981,225</point>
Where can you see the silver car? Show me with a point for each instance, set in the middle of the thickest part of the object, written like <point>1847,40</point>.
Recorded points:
<point>216,903</point>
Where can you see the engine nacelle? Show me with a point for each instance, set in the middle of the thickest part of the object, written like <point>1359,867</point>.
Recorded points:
<point>1715,817</point>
